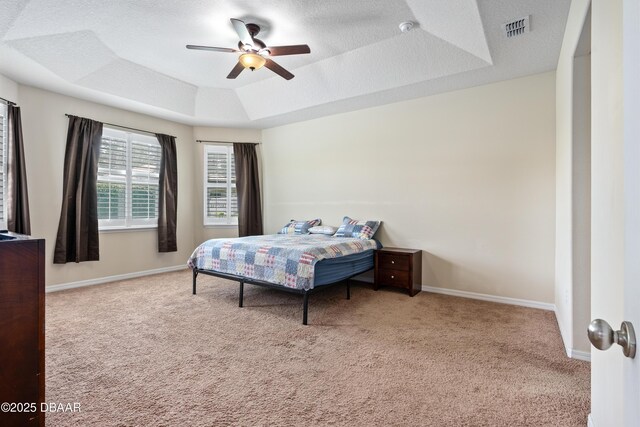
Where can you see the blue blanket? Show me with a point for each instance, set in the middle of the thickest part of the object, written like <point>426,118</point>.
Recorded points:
<point>283,259</point>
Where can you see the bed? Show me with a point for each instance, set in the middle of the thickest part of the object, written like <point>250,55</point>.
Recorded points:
<point>301,264</point>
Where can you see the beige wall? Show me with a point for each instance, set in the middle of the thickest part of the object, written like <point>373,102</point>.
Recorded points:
<point>466,176</point>
<point>8,89</point>
<point>581,203</point>
<point>45,127</point>
<point>572,269</point>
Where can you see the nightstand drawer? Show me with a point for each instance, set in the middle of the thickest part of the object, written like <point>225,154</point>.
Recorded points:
<point>397,278</point>
<point>393,261</point>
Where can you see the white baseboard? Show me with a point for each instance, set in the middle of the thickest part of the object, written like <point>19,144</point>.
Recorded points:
<point>572,353</point>
<point>590,422</point>
<point>101,280</point>
<point>563,336</point>
<point>491,298</point>
<point>580,355</point>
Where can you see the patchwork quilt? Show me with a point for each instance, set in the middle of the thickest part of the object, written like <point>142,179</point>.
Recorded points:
<point>283,259</point>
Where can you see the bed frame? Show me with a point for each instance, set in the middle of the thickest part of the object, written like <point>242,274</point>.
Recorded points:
<point>243,280</point>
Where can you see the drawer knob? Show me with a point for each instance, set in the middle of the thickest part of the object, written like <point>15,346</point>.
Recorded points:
<point>393,262</point>
<point>393,277</point>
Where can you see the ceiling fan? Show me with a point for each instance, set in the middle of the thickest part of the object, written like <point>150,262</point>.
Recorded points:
<point>255,53</point>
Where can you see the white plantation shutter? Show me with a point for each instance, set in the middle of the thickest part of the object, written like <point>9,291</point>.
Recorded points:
<point>145,175</point>
<point>128,175</point>
<point>112,180</point>
<point>3,166</point>
<point>233,198</point>
<point>217,168</point>
<point>220,198</point>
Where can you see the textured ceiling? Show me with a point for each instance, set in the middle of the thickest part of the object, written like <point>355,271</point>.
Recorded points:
<point>131,54</point>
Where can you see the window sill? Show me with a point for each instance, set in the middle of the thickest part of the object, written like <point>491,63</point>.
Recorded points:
<point>126,229</point>
<point>221,226</point>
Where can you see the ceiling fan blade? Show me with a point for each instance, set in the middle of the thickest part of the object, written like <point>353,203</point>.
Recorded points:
<point>214,49</point>
<point>236,71</point>
<point>288,50</point>
<point>278,69</point>
<point>243,33</point>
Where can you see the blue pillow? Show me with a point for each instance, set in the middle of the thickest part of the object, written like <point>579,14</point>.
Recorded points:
<point>299,227</point>
<point>358,229</point>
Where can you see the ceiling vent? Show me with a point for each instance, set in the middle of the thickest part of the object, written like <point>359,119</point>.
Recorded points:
<point>517,27</point>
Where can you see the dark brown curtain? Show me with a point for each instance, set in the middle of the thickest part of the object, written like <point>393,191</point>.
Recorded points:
<point>248,187</point>
<point>168,195</point>
<point>77,238</point>
<point>17,197</point>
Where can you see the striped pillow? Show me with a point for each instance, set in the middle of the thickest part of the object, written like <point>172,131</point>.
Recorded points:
<point>358,229</point>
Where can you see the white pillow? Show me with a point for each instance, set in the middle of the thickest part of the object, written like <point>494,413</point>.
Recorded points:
<point>323,229</point>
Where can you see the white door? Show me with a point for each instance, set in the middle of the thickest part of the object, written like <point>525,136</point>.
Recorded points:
<point>631,66</point>
<point>615,296</point>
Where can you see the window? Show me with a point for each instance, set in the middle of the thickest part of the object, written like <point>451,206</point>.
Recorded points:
<point>3,166</point>
<point>128,178</point>
<point>220,196</point>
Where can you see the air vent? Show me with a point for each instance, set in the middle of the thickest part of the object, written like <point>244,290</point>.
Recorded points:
<point>517,27</point>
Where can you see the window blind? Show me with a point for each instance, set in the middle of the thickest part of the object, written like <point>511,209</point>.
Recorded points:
<point>128,179</point>
<point>112,179</point>
<point>145,175</point>
<point>221,199</point>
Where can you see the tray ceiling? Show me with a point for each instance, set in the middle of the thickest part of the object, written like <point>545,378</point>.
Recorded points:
<point>132,54</point>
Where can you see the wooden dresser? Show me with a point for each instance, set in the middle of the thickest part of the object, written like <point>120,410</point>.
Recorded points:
<point>398,267</point>
<point>21,329</point>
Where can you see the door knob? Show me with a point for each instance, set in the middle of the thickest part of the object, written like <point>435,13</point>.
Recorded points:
<point>602,336</point>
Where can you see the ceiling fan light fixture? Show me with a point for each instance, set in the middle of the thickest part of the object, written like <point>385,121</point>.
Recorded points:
<point>253,51</point>
<point>252,61</point>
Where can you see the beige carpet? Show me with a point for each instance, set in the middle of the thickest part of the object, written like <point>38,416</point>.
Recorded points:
<point>145,352</point>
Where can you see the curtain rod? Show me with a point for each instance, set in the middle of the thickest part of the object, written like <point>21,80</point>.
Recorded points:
<point>125,127</point>
<point>227,142</point>
<point>7,101</point>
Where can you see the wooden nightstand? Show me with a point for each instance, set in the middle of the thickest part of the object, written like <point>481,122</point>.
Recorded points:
<point>400,268</point>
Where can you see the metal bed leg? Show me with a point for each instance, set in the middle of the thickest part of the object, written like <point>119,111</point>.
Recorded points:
<point>195,274</point>
<point>305,307</point>
<point>348,289</point>
<point>241,293</point>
